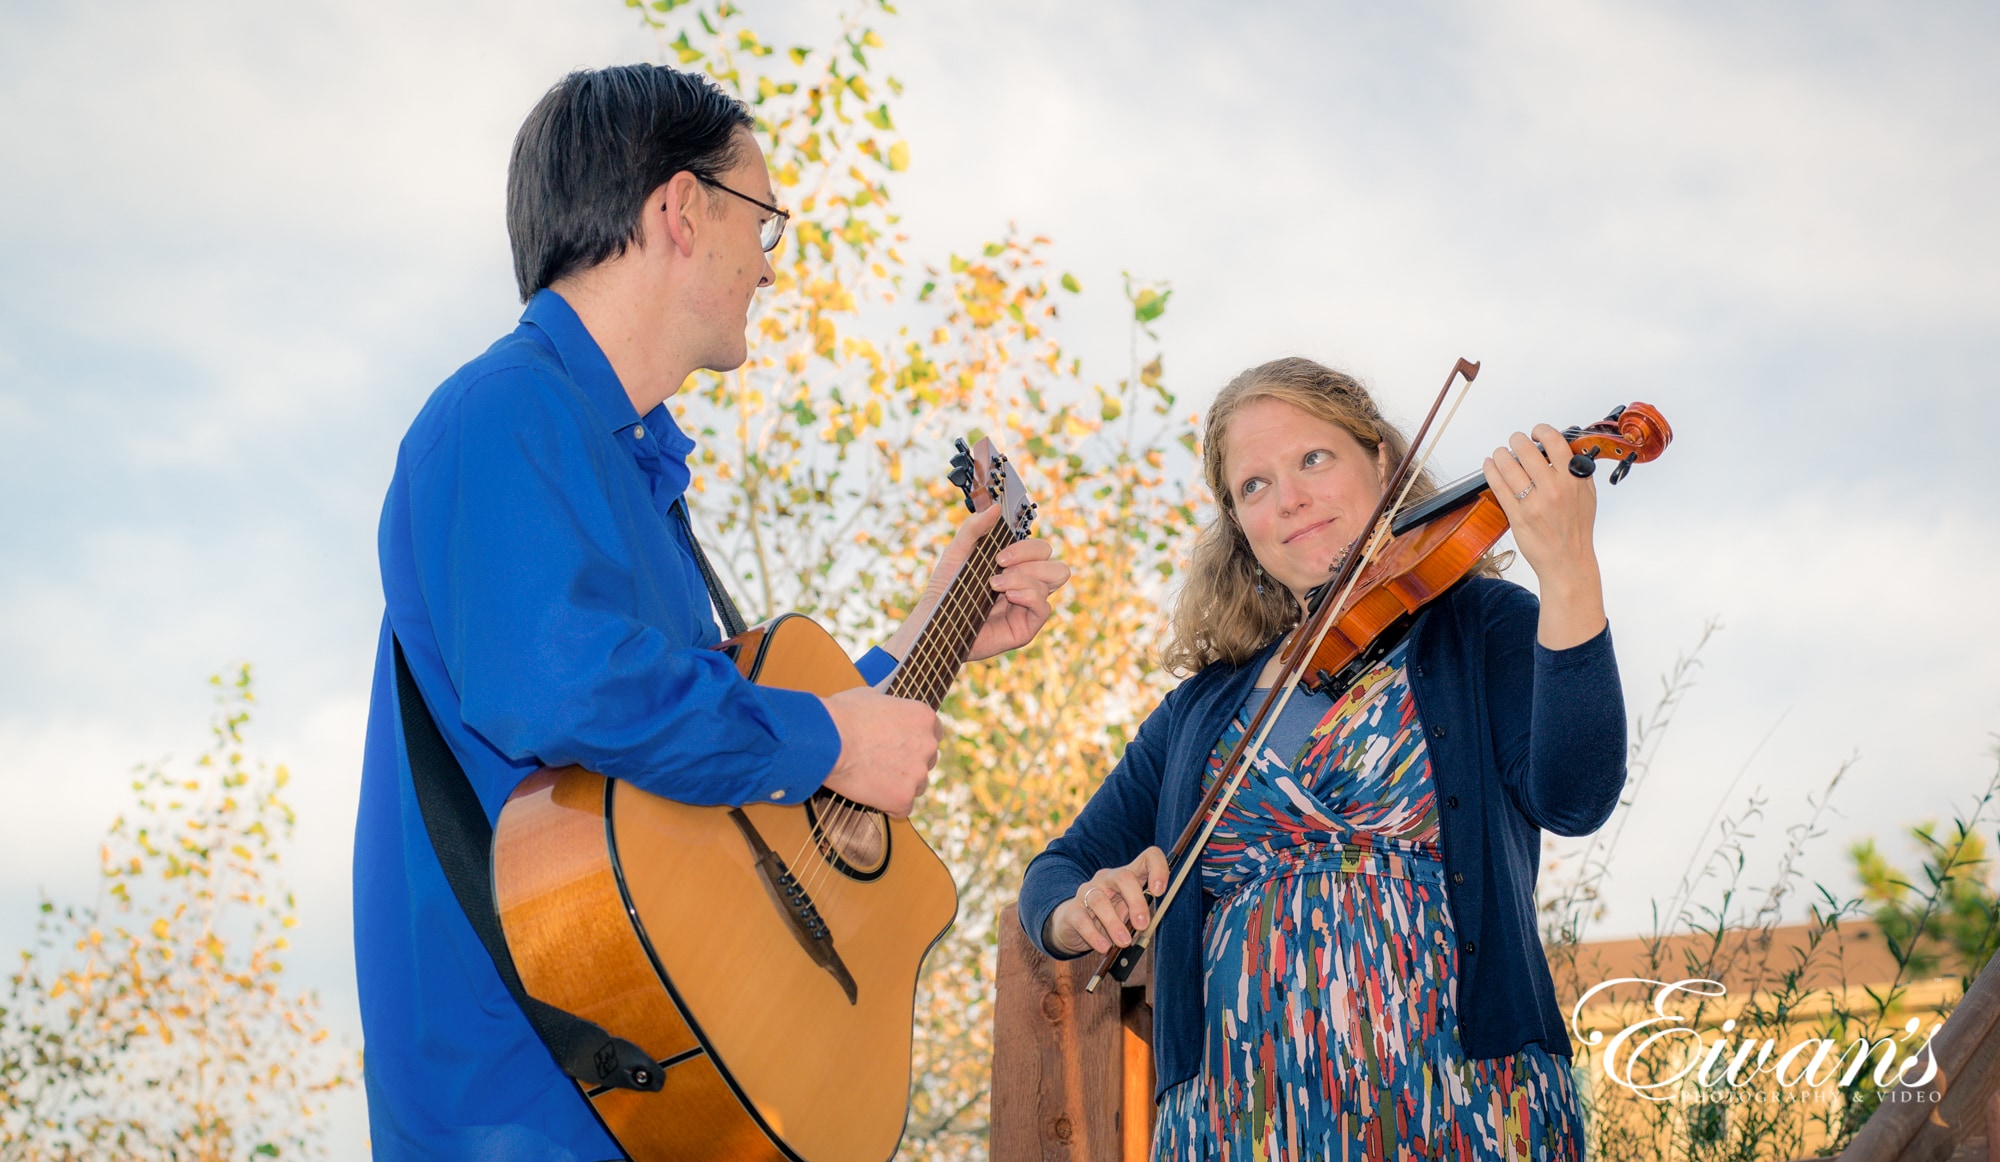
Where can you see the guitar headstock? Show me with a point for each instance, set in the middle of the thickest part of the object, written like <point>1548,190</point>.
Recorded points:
<point>987,479</point>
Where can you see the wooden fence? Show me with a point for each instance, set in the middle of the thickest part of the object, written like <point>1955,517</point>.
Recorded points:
<point>1072,1071</point>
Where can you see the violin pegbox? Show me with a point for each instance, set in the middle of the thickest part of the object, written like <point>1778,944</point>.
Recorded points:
<point>987,478</point>
<point>1635,433</point>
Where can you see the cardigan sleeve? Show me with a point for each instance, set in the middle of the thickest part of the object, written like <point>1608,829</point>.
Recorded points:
<point>1557,716</point>
<point>1112,829</point>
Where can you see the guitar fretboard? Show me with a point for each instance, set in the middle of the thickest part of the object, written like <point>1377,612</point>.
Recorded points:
<point>942,645</point>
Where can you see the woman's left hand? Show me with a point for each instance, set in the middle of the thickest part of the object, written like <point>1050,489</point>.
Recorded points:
<point>1551,512</point>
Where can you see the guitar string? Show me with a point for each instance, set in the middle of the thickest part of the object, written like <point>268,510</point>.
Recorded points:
<point>911,670</point>
<point>936,659</point>
<point>927,677</point>
<point>945,640</point>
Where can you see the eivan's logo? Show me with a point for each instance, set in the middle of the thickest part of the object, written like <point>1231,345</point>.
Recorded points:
<point>1657,1056</point>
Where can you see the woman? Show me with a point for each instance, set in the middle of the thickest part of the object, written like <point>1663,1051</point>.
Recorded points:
<point>1358,973</point>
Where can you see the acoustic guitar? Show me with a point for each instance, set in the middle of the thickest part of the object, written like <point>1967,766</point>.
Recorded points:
<point>766,956</point>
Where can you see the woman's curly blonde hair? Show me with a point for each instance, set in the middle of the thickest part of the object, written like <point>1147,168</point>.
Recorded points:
<point>1225,611</point>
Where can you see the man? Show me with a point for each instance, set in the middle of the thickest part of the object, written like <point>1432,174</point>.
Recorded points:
<point>546,596</point>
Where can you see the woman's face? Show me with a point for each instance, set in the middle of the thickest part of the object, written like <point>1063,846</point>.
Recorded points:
<point>1302,489</point>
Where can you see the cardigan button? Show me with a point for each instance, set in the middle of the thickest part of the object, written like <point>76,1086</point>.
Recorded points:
<point>1458,877</point>
<point>1451,801</point>
<point>1469,947</point>
<point>1419,671</point>
<point>1437,730</point>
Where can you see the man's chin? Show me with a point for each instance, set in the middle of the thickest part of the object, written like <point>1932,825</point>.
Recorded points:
<point>727,362</point>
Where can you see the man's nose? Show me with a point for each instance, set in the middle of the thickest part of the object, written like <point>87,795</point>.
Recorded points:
<point>769,276</point>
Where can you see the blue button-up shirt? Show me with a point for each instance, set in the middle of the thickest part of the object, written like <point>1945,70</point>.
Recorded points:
<point>551,612</point>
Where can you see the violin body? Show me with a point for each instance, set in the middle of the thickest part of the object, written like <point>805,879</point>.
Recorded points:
<point>1410,572</point>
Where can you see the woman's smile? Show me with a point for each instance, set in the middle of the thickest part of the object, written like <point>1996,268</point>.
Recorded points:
<point>1311,530</point>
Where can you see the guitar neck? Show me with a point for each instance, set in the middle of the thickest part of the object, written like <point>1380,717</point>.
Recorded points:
<point>942,645</point>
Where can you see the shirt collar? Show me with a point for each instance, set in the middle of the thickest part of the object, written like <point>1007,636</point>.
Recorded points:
<point>588,368</point>
<point>549,313</point>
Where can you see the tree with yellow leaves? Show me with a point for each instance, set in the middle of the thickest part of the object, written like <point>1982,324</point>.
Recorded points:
<point>151,1024</point>
<point>820,487</point>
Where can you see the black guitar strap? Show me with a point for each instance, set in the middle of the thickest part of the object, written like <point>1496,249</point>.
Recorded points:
<point>732,619</point>
<point>463,841</point>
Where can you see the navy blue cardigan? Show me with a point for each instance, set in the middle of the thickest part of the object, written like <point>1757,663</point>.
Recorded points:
<point>1522,739</point>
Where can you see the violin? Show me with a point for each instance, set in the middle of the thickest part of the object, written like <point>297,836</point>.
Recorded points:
<point>1437,541</point>
<point>1377,589</point>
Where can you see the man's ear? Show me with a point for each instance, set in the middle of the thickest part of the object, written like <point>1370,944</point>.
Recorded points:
<point>671,213</point>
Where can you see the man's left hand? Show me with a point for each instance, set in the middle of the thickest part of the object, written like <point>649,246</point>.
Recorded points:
<point>1028,574</point>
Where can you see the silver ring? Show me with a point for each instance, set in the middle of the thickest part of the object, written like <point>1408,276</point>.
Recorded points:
<point>1523,494</point>
<point>1086,895</point>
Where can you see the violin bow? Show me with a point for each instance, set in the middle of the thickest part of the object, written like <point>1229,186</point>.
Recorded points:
<point>1323,614</point>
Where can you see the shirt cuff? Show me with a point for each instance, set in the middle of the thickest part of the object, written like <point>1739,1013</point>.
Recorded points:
<point>876,665</point>
<point>808,745</point>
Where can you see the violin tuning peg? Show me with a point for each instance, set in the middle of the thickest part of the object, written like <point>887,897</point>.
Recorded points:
<point>1582,465</point>
<point>1624,466</point>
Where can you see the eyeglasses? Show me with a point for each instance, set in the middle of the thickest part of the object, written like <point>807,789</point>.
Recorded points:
<point>772,231</point>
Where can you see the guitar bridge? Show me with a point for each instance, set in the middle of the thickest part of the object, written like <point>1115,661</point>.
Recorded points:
<point>796,906</point>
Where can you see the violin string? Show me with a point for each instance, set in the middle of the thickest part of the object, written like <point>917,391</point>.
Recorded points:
<point>1288,681</point>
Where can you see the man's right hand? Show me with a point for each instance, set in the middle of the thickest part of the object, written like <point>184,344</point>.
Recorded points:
<point>887,749</point>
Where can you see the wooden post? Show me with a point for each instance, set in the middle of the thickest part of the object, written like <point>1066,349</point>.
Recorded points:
<point>1928,1123</point>
<point>1072,1071</point>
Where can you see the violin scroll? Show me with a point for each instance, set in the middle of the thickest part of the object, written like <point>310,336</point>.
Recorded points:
<point>1633,434</point>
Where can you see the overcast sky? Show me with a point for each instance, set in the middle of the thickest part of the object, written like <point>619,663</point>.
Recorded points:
<point>243,241</point>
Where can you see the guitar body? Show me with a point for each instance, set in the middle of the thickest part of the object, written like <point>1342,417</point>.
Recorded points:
<point>657,921</point>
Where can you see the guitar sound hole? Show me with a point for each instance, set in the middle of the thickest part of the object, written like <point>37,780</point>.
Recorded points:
<point>853,838</point>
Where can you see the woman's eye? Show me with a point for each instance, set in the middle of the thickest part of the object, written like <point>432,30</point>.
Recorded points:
<point>1316,456</point>
<point>1250,486</point>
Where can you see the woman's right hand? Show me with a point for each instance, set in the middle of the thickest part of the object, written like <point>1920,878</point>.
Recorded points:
<point>1109,907</point>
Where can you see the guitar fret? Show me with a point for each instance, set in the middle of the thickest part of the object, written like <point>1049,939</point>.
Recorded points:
<point>942,645</point>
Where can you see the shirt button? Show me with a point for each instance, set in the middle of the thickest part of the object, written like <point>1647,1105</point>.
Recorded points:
<point>1451,801</point>
<point>1420,671</point>
<point>638,431</point>
<point>1458,877</point>
<point>1469,947</point>
<point>1437,730</point>
<point>777,794</point>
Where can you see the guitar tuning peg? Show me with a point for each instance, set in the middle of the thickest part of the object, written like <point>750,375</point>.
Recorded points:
<point>961,476</point>
<point>962,449</point>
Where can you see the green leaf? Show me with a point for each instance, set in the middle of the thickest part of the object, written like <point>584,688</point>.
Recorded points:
<point>879,118</point>
<point>995,249</point>
<point>925,293</point>
<point>1070,284</point>
<point>1149,305</point>
<point>799,55</point>
<point>899,157</point>
<point>687,52</point>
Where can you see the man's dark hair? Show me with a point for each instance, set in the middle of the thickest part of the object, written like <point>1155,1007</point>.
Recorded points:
<point>595,145</point>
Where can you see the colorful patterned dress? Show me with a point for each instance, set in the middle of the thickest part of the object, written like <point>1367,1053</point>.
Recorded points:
<point>1329,965</point>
